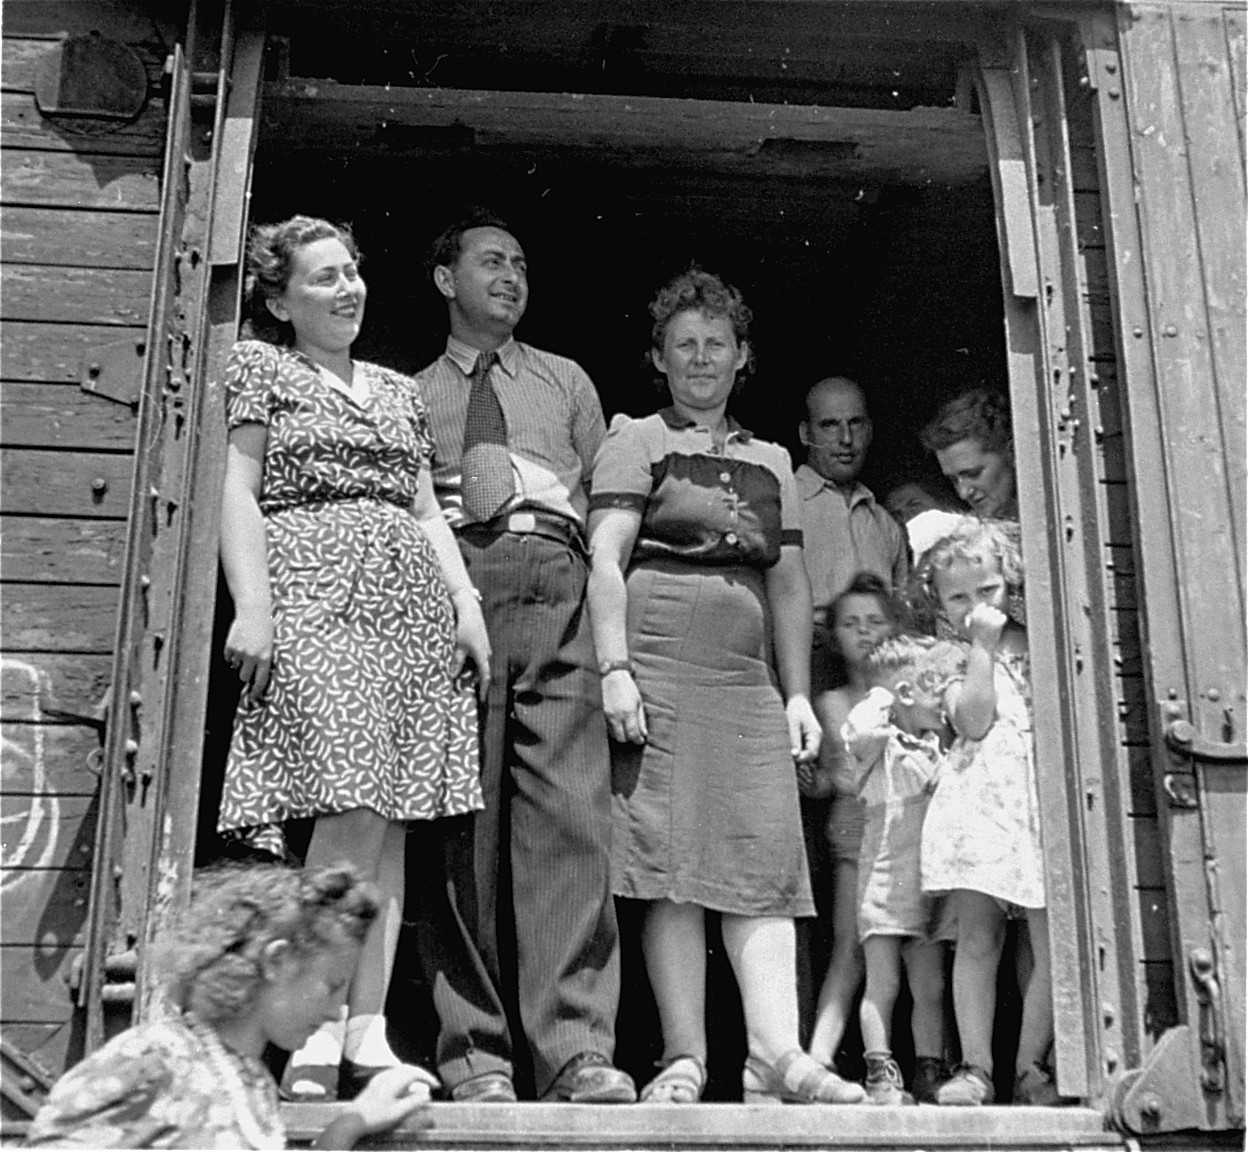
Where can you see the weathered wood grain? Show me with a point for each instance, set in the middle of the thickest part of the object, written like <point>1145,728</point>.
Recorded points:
<point>46,832</point>
<point>24,127</point>
<point>78,238</point>
<point>70,682</point>
<point>62,551</point>
<point>152,24</point>
<point>47,1044</point>
<point>913,147</point>
<point>50,416</point>
<point>24,58</point>
<point>80,180</point>
<point>58,618</point>
<point>49,759</point>
<point>58,353</point>
<point>75,295</point>
<point>45,906</point>
<point>87,484</point>
<point>36,983</point>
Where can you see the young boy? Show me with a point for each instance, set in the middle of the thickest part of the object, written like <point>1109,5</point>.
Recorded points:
<point>896,738</point>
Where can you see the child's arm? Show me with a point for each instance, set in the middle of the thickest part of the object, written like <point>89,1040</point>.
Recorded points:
<point>972,705</point>
<point>866,733</point>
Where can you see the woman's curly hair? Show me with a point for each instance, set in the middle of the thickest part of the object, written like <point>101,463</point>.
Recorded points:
<point>696,290</point>
<point>213,960</point>
<point>271,252</point>
<point>974,540</point>
<point>979,414</point>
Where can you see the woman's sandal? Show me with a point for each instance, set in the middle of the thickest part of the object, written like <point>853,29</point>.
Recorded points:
<point>309,1083</point>
<point>681,1080</point>
<point>796,1078</point>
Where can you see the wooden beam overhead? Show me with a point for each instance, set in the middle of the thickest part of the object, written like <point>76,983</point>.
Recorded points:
<point>916,147</point>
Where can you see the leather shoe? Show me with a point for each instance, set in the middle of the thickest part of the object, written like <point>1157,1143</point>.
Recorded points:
<point>590,1078</point>
<point>487,1088</point>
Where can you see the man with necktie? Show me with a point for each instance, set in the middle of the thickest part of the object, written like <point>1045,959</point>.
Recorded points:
<point>516,430</point>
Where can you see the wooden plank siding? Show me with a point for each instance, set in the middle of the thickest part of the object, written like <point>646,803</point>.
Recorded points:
<point>1131,808</point>
<point>77,246</point>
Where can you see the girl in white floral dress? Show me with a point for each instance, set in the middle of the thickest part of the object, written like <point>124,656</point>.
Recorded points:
<point>981,838</point>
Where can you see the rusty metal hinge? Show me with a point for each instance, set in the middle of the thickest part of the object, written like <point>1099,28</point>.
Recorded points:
<point>1182,737</point>
<point>1212,1043</point>
<point>1164,1095</point>
<point>24,1082</point>
<point>114,372</point>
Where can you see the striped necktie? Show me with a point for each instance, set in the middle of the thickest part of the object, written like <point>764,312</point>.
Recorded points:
<point>486,464</point>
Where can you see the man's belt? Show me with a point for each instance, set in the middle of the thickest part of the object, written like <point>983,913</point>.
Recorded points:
<point>527,523</point>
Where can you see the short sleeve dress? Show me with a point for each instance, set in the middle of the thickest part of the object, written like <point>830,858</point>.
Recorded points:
<point>362,709</point>
<point>706,811</point>
<point>162,1084</point>
<point>982,829</point>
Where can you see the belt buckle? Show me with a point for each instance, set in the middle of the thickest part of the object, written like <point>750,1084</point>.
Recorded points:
<point>522,523</point>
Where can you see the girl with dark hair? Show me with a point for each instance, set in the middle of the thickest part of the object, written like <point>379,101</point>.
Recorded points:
<point>857,620</point>
<point>263,956</point>
<point>353,612</point>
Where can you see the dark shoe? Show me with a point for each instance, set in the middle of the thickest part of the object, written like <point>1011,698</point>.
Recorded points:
<point>488,1088</point>
<point>590,1078</point>
<point>969,1086</point>
<point>930,1072</point>
<point>309,1083</point>
<point>1034,1086</point>
<point>795,1078</point>
<point>883,1084</point>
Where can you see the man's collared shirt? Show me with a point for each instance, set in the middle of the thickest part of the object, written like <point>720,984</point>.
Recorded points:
<point>844,538</point>
<point>554,426</point>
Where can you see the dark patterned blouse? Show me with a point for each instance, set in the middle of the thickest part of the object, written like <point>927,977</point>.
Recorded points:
<point>698,503</point>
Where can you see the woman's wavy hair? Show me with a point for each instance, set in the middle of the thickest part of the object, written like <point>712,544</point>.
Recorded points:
<point>979,414</point>
<point>696,290</point>
<point>213,961</point>
<point>271,252</point>
<point>975,540</point>
<point>863,584</point>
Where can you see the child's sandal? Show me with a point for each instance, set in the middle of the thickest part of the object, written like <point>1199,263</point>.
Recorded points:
<point>682,1080</point>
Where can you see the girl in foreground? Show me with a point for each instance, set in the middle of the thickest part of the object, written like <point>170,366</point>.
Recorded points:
<point>858,619</point>
<point>264,956</point>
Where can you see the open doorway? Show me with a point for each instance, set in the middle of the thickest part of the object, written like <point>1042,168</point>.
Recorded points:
<point>863,238</point>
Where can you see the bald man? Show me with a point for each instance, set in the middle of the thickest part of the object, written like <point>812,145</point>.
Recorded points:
<point>845,530</point>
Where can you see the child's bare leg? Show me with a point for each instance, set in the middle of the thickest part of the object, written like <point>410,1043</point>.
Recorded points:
<point>925,973</point>
<point>844,970</point>
<point>981,935</point>
<point>1036,1034</point>
<point>882,955</point>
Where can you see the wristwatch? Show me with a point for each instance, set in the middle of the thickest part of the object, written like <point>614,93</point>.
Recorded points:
<point>609,666</point>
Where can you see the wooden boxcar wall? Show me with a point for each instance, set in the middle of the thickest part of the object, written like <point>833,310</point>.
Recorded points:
<point>79,211</point>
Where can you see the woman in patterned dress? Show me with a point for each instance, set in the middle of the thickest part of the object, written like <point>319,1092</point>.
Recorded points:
<point>263,956</point>
<point>354,615</point>
<point>702,619</point>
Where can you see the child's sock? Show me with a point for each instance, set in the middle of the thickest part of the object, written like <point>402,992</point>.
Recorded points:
<point>366,1042</point>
